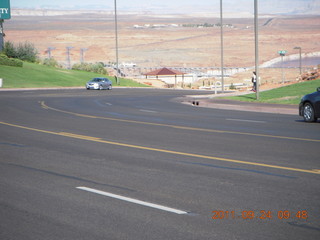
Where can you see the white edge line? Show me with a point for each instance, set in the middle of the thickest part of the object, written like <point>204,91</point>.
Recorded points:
<point>244,120</point>
<point>148,111</point>
<point>132,200</point>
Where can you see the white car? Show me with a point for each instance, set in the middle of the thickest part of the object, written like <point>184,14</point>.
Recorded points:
<point>99,84</point>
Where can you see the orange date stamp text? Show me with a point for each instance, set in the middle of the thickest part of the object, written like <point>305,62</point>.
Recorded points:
<point>260,214</point>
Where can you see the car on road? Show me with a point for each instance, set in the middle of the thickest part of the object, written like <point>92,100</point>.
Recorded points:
<point>99,83</point>
<point>309,106</point>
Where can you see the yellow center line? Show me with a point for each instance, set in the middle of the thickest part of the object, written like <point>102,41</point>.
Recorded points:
<point>43,105</point>
<point>78,136</point>
<point>94,139</point>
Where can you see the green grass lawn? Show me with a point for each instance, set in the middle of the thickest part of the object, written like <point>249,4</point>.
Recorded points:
<point>34,75</point>
<point>284,95</point>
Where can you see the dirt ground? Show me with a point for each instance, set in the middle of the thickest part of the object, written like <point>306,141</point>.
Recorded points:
<point>168,44</point>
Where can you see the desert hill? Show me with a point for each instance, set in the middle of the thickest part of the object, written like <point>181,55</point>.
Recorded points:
<point>163,40</point>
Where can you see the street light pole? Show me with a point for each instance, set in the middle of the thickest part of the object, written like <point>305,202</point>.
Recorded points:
<point>300,60</point>
<point>116,33</point>
<point>221,47</point>
<point>256,48</point>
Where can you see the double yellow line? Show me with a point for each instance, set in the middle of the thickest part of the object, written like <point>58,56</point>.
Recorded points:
<point>100,140</point>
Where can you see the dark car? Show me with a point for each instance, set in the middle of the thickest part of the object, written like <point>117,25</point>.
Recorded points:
<point>309,106</point>
<point>99,83</point>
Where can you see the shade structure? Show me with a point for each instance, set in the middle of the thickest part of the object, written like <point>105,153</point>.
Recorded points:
<point>164,72</point>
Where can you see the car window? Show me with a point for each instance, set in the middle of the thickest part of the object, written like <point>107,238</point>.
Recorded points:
<point>101,80</point>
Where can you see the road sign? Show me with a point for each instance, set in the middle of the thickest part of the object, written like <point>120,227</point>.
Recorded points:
<point>5,11</point>
<point>282,52</point>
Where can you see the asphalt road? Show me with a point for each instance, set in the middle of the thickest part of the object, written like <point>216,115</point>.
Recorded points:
<point>138,164</point>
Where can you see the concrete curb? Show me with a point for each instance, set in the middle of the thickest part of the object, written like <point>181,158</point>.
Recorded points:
<point>289,110</point>
<point>212,102</point>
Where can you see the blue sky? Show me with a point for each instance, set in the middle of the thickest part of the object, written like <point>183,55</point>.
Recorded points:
<point>265,6</point>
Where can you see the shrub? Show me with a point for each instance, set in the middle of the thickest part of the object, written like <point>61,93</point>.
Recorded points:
<point>4,60</point>
<point>51,62</point>
<point>232,87</point>
<point>24,51</point>
<point>9,49</point>
<point>90,67</point>
<point>27,52</point>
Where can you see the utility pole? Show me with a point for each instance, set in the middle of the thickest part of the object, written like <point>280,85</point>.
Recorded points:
<point>116,33</point>
<point>256,48</point>
<point>68,57</point>
<point>82,50</point>
<point>221,46</point>
<point>300,59</point>
<point>49,51</point>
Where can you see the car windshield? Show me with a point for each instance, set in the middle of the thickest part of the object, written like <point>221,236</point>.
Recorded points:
<point>96,80</point>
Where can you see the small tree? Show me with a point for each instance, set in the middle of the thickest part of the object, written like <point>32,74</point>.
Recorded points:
<point>24,51</point>
<point>9,50</point>
<point>27,52</point>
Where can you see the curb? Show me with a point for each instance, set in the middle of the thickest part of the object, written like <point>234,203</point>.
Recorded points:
<point>242,106</point>
<point>213,101</point>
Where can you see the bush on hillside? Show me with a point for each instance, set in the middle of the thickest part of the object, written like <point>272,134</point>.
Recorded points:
<point>9,49</point>
<point>4,60</point>
<point>23,51</point>
<point>51,62</point>
<point>90,67</point>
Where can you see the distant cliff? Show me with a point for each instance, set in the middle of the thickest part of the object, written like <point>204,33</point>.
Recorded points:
<point>277,7</point>
<point>53,12</point>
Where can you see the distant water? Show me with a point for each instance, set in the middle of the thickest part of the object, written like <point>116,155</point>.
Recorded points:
<point>305,62</point>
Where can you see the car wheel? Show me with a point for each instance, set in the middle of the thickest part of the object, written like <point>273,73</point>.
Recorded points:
<point>308,113</point>
<point>110,87</point>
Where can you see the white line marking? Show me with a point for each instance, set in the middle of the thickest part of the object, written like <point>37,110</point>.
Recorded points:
<point>110,104</point>
<point>148,111</point>
<point>244,120</point>
<point>132,200</point>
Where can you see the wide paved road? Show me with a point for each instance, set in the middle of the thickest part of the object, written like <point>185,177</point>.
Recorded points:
<point>137,164</point>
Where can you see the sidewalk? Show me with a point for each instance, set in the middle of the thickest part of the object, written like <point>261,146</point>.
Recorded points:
<point>213,101</point>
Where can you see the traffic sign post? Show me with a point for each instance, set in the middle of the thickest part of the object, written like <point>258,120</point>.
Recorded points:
<point>5,13</point>
<point>1,34</point>
<point>282,54</point>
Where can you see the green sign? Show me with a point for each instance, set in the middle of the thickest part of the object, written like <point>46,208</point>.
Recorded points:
<point>5,12</point>
<point>282,52</point>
